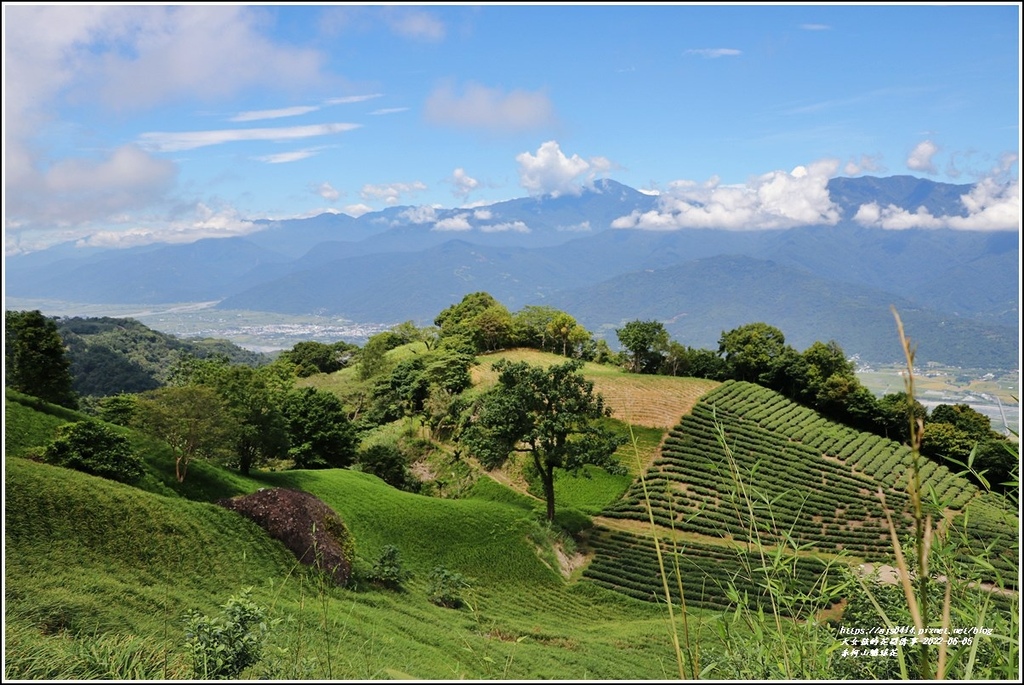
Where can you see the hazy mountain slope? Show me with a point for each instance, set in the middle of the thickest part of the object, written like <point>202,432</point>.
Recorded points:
<point>699,300</point>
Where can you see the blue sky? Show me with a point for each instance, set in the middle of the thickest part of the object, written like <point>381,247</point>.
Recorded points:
<point>132,124</point>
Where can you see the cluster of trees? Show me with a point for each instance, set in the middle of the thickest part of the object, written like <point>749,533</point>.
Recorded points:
<point>248,416</point>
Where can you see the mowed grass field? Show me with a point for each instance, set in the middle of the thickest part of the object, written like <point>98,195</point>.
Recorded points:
<point>640,400</point>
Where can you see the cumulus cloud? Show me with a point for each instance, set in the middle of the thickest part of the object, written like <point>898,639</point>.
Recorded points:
<point>459,222</point>
<point>391,193</point>
<point>462,183</point>
<point>550,172</point>
<point>483,214</point>
<point>202,221</point>
<point>774,200</point>
<point>328,192</point>
<point>489,109</point>
<point>990,206</point>
<point>920,158</point>
<point>714,53</point>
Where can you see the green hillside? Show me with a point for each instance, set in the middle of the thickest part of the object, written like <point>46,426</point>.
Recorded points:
<point>760,508</point>
<point>748,468</point>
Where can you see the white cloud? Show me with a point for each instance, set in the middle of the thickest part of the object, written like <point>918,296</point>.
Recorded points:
<point>463,184</point>
<point>459,222</point>
<point>328,192</point>
<point>774,200</point>
<point>513,226</point>
<point>414,23</point>
<point>190,140</point>
<point>388,110</point>
<point>285,157</point>
<point>581,227</point>
<point>815,27</point>
<point>713,53</point>
<point>82,190</point>
<point>202,221</point>
<point>551,172</point>
<point>351,99</point>
<point>357,210</point>
<point>483,214</point>
<point>990,206</point>
<point>260,114</point>
<point>391,193</point>
<point>866,164</point>
<point>424,214</point>
<point>920,158</point>
<point>489,109</point>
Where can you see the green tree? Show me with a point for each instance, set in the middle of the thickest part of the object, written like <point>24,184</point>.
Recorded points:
<point>389,464</point>
<point>93,448</point>
<point>647,342</point>
<point>567,334</point>
<point>754,353</point>
<point>895,412</point>
<point>550,414</point>
<point>311,357</point>
<point>321,434</point>
<point>193,419</point>
<point>35,360</point>
<point>253,397</point>
<point>530,326</point>
<point>373,360</point>
<point>964,418</point>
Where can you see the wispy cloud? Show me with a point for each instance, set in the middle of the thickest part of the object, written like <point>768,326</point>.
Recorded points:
<point>285,157</point>
<point>490,109</point>
<point>815,27</point>
<point>389,110</point>
<point>352,99</point>
<point>414,23</point>
<point>258,115</point>
<point>713,53</point>
<point>190,140</point>
<point>391,193</point>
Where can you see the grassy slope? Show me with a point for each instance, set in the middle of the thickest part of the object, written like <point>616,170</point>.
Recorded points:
<point>87,558</point>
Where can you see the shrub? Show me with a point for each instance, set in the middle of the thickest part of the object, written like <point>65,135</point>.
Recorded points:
<point>91,447</point>
<point>224,646</point>
<point>445,587</point>
<point>388,569</point>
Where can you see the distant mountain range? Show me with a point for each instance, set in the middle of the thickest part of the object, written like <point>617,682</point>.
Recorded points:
<point>957,291</point>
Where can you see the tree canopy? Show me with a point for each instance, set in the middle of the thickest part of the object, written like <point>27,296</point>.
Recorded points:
<point>36,362</point>
<point>549,413</point>
<point>647,341</point>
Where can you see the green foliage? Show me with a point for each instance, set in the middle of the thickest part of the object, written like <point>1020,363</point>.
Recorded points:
<point>312,357</point>
<point>193,419</point>
<point>647,341</point>
<point>321,434</point>
<point>91,447</point>
<point>388,568</point>
<point>224,646</point>
<point>478,318</point>
<point>753,352</point>
<point>116,355</point>
<point>549,413</point>
<point>389,464</point>
<point>445,587</point>
<point>35,361</point>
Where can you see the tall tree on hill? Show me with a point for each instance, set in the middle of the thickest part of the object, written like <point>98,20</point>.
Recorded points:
<point>754,353</point>
<point>647,342</point>
<point>36,362</point>
<point>548,413</point>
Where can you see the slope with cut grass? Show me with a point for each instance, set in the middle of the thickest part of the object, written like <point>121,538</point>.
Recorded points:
<point>98,576</point>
